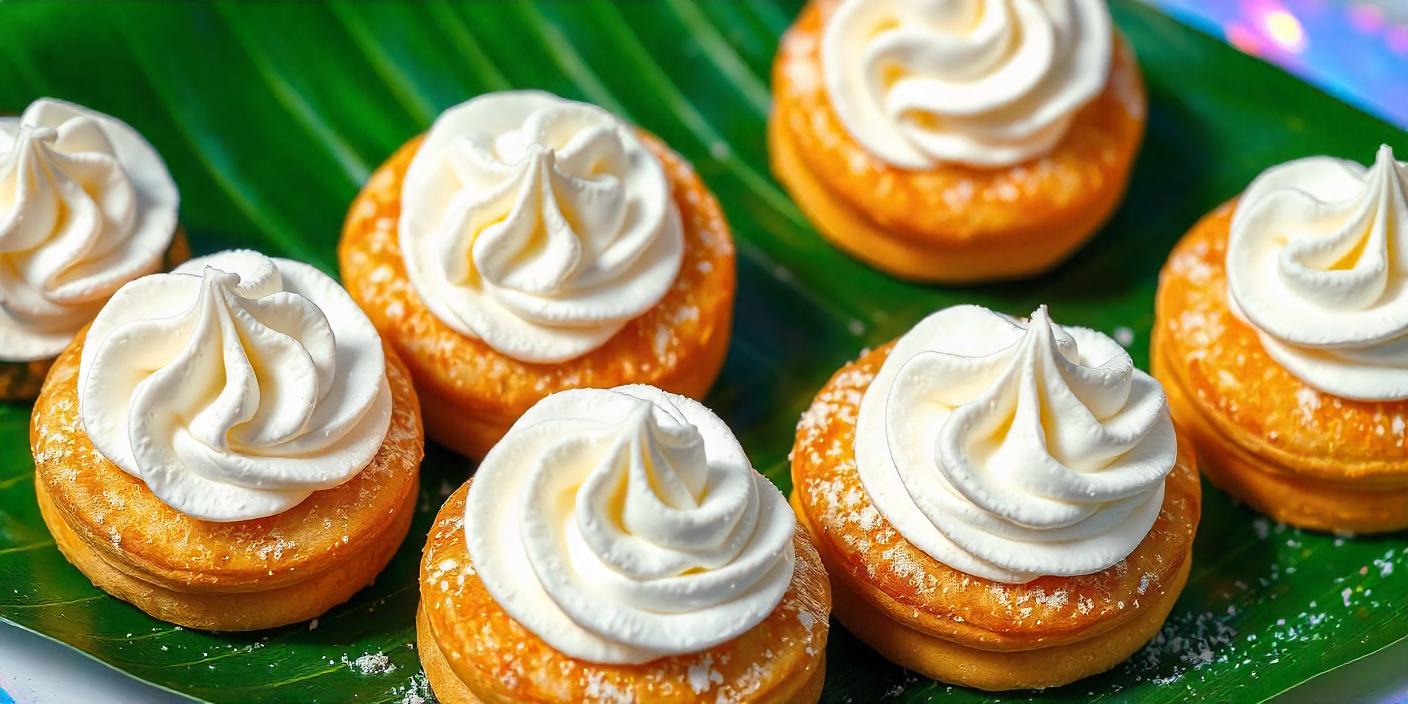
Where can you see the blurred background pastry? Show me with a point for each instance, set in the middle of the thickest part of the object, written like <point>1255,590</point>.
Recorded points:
<point>86,205</point>
<point>529,244</point>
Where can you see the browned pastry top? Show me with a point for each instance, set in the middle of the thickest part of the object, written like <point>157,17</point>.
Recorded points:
<point>672,336</point>
<point>500,661</point>
<point>116,514</point>
<point>1233,383</point>
<point>913,588</point>
<point>957,203</point>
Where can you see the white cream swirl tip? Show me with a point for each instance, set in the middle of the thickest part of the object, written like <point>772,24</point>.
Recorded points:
<point>537,224</point>
<point>1012,449</point>
<point>988,83</point>
<point>1317,263</point>
<point>86,205</point>
<point>235,386</point>
<point>626,525</point>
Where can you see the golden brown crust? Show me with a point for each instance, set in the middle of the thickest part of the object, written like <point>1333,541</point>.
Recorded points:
<point>21,381</point>
<point>994,670</point>
<point>470,646</point>
<point>238,610</point>
<point>222,576</point>
<point>865,555</point>
<point>954,223</point>
<point>449,689</point>
<point>473,393</point>
<point>1265,436</point>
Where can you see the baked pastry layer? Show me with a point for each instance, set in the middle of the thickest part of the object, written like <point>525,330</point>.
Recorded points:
<point>474,652</point>
<point>964,629</point>
<point>955,223</point>
<point>997,670</point>
<point>1263,435</point>
<point>21,381</point>
<point>242,575</point>
<point>471,392</point>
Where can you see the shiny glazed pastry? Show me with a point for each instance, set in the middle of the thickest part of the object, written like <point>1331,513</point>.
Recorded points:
<point>1000,503</point>
<point>1281,333</point>
<point>956,141</point>
<point>617,545</point>
<point>228,446</point>
<point>86,205</point>
<point>529,244</point>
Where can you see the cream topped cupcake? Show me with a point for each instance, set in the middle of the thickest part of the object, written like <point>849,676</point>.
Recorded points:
<point>956,141</point>
<point>1002,503</point>
<point>235,386</point>
<point>228,446</point>
<point>528,244</point>
<point>1282,334</point>
<point>86,205</point>
<point>621,537</point>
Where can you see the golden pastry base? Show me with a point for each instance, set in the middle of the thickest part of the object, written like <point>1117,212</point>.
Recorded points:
<point>998,670</point>
<point>236,576</point>
<point>450,689</point>
<point>952,223</point>
<point>1273,489</point>
<point>229,611</point>
<point>473,651</point>
<point>924,260</point>
<point>958,628</point>
<point>1264,436</point>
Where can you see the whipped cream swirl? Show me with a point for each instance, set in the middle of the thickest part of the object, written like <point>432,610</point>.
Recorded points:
<point>987,83</point>
<point>626,525</point>
<point>1317,262</point>
<point>1010,450</point>
<point>86,205</point>
<point>235,386</point>
<point>538,225</point>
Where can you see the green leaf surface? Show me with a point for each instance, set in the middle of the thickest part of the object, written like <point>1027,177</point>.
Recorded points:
<point>271,115</point>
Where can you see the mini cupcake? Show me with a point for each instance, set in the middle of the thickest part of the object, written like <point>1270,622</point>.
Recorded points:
<point>617,545</point>
<point>1000,503</point>
<point>1281,334</point>
<point>956,141</point>
<point>86,205</point>
<point>529,244</point>
<point>228,446</point>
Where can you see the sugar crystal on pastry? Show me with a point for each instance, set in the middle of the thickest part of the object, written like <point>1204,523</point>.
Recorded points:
<point>968,611</point>
<point>1281,336</point>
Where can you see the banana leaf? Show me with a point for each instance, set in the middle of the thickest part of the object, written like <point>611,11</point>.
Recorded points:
<point>271,115</point>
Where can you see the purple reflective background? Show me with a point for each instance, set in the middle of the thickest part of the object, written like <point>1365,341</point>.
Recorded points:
<point>1356,49</point>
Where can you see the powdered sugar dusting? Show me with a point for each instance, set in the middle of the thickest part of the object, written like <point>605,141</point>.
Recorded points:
<point>370,664</point>
<point>703,676</point>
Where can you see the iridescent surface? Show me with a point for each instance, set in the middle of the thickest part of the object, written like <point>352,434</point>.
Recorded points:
<point>1356,49</point>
